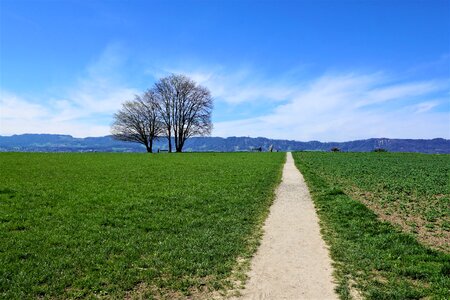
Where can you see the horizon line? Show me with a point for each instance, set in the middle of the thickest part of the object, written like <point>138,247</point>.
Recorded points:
<point>277,139</point>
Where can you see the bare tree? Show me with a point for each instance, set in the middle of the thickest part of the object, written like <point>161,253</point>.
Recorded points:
<point>185,109</point>
<point>163,88</point>
<point>138,120</point>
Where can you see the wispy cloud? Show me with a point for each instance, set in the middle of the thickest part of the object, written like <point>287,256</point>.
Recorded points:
<point>240,86</point>
<point>332,106</point>
<point>79,109</point>
<point>426,106</point>
<point>14,107</point>
<point>402,91</point>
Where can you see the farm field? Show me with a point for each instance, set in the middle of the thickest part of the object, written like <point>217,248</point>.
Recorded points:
<point>385,217</point>
<point>130,225</point>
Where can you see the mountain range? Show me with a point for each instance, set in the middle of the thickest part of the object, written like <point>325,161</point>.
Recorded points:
<point>67,143</point>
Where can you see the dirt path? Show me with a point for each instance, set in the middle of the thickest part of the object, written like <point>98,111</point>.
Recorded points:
<point>292,261</point>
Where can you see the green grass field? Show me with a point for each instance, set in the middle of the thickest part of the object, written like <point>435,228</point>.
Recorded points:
<point>177,225</point>
<point>381,214</point>
<point>116,225</point>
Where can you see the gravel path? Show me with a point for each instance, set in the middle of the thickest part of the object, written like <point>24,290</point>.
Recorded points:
<point>292,261</point>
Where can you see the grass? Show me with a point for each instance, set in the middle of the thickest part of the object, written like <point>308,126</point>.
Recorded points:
<point>406,189</point>
<point>377,257</point>
<point>129,225</point>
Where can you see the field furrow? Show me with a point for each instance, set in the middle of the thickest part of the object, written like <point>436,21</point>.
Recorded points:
<point>381,214</point>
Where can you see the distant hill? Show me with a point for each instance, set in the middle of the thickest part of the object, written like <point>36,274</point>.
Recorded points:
<point>67,143</point>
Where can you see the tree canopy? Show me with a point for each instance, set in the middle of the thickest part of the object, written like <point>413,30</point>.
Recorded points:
<point>175,107</point>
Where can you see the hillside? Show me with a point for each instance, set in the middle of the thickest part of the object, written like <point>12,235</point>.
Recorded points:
<point>67,143</point>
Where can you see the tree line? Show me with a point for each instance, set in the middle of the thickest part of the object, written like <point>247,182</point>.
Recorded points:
<point>175,107</point>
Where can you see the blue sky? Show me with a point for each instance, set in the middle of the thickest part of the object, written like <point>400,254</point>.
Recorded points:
<point>303,70</point>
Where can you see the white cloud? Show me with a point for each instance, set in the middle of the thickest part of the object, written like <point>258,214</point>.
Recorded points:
<point>21,116</point>
<point>239,86</point>
<point>330,107</point>
<point>15,107</point>
<point>74,110</point>
<point>334,108</point>
<point>426,106</point>
<point>402,91</point>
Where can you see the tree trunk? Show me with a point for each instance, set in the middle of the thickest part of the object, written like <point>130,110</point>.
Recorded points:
<point>170,142</point>
<point>180,146</point>
<point>177,144</point>
<point>150,147</point>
